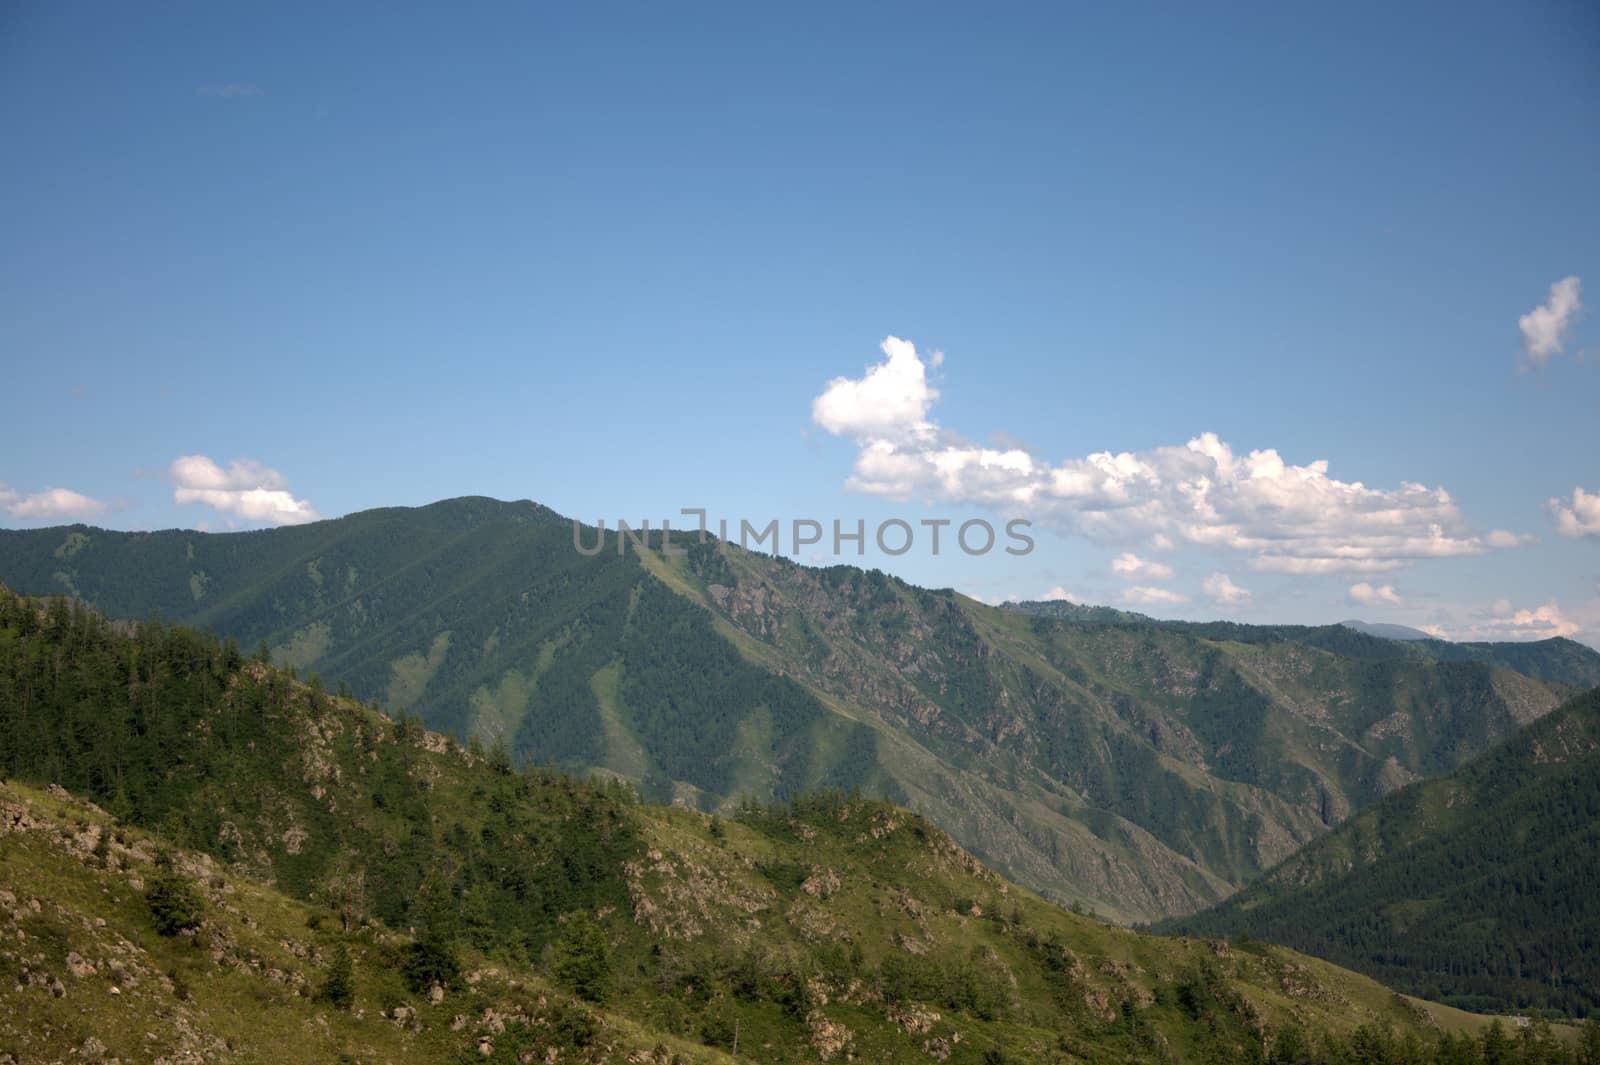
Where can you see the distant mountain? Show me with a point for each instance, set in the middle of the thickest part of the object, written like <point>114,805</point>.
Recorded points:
<point>205,860</point>
<point>1480,888</point>
<point>1557,660</point>
<point>1141,768</point>
<point>1387,630</point>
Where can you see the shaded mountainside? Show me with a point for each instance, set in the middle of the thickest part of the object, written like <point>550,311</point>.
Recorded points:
<point>1192,763</point>
<point>1557,660</point>
<point>1481,888</point>
<point>202,859</point>
<point>1140,768</point>
<point>481,617</point>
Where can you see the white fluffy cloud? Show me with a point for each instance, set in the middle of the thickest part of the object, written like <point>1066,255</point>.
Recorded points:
<point>1221,590</point>
<point>246,489</point>
<point>1288,518</point>
<point>1146,595</point>
<point>1502,620</point>
<point>1058,594</point>
<point>50,504</point>
<point>1544,329</point>
<point>1130,567</point>
<point>1364,594</point>
<point>1581,517</point>
<point>889,403</point>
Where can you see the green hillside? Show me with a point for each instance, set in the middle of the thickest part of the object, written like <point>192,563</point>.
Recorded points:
<point>1480,888</point>
<point>1557,660</point>
<point>1138,768</point>
<point>203,859</point>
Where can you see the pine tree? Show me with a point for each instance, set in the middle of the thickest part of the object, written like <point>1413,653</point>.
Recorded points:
<point>339,990</point>
<point>174,904</point>
<point>582,961</point>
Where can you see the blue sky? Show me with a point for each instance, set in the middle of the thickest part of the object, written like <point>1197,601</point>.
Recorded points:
<point>609,257</point>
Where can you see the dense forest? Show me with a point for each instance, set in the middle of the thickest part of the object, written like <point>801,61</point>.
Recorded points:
<point>175,730</point>
<point>1481,888</point>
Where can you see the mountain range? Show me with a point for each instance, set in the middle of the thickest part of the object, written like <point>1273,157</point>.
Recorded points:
<point>1141,769</point>
<point>1480,888</point>
<point>203,859</point>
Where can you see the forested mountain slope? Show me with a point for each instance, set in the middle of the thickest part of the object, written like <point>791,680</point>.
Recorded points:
<point>268,873</point>
<point>1140,768</point>
<point>1558,659</point>
<point>1481,888</point>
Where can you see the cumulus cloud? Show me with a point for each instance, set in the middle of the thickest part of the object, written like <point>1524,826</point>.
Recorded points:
<point>1502,538</point>
<point>1288,518</point>
<point>1364,594</point>
<point>1503,620</point>
<point>1581,517</point>
<point>890,402</point>
<point>50,504</point>
<point>1146,595</point>
<point>246,489</point>
<point>1058,594</point>
<point>1221,590</point>
<point>1544,329</point>
<point>1130,567</point>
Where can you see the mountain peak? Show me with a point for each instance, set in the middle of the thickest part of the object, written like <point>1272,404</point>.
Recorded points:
<point>1388,630</point>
